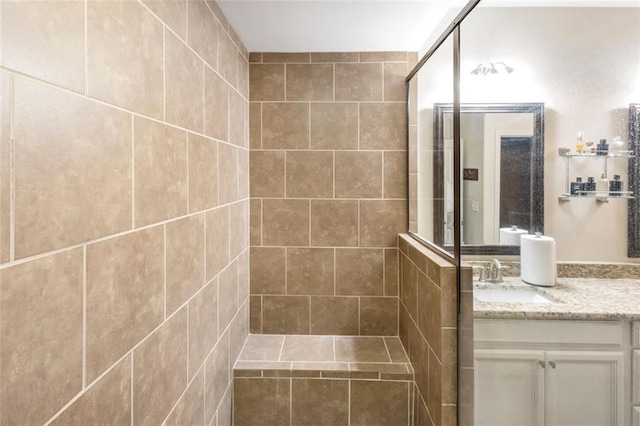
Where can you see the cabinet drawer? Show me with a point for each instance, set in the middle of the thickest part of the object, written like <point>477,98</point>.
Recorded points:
<point>610,333</point>
<point>635,334</point>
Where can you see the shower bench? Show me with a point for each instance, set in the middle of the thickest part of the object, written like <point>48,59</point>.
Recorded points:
<point>322,380</point>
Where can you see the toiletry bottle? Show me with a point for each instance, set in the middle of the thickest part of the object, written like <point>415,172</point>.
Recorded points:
<point>603,147</point>
<point>602,187</point>
<point>615,186</point>
<point>577,187</point>
<point>589,187</point>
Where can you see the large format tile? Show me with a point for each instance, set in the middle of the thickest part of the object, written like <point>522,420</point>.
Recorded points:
<point>267,170</point>
<point>239,224</point>
<point>379,402</point>
<point>228,295</point>
<point>158,380</point>
<point>309,174</point>
<point>383,56</point>
<point>309,82</point>
<point>160,158</point>
<point>266,82</point>
<point>286,57</point>
<point>334,223</point>
<point>359,272</point>
<point>378,316</point>
<point>185,260</point>
<point>316,402</point>
<point>260,347</point>
<point>203,31</point>
<point>237,116</point>
<point>107,402</point>
<point>334,315</point>
<point>184,85</point>
<point>395,174</point>
<point>383,126</point>
<point>334,126</point>
<point>40,337</point>
<point>264,399</point>
<point>5,189</point>
<point>172,12</point>
<point>358,174</point>
<point>125,56</point>
<point>381,221</point>
<point>227,58</point>
<point>227,173</point>
<point>358,82</point>
<point>218,375</point>
<point>217,240</point>
<point>203,325</point>
<point>268,266</point>
<point>395,88</point>
<point>285,315</point>
<point>285,222</point>
<point>216,105</point>
<point>45,40</point>
<point>361,349</point>
<point>310,271</point>
<point>203,173</point>
<point>190,409</point>
<point>125,291</point>
<point>307,348</point>
<point>285,125</point>
<point>72,166</point>
<point>255,125</point>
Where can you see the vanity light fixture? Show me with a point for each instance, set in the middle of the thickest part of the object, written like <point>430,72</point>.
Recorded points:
<point>491,68</point>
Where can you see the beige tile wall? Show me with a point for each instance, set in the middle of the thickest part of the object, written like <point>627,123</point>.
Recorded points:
<point>428,329</point>
<point>124,212</point>
<point>328,190</point>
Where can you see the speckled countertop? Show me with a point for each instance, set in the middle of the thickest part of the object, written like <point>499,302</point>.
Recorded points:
<point>574,298</point>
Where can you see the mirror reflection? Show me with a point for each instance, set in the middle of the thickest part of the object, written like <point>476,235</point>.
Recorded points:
<point>502,173</point>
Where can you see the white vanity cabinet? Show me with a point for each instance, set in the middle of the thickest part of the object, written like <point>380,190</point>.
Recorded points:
<point>549,373</point>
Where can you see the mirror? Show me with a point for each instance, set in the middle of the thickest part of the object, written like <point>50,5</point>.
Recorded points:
<point>502,175</point>
<point>634,179</point>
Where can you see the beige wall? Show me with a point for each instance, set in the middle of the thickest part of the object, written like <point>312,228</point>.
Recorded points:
<point>328,191</point>
<point>123,212</point>
<point>586,75</point>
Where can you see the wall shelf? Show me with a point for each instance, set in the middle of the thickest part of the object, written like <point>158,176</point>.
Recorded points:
<point>567,195</point>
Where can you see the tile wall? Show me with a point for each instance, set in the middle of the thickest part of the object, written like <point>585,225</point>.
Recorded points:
<point>328,191</point>
<point>124,211</point>
<point>428,330</point>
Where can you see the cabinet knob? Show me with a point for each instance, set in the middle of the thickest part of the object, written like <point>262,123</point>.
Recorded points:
<point>552,364</point>
<point>541,364</point>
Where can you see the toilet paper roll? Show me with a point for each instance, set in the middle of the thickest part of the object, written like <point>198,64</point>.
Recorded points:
<point>511,236</point>
<point>538,260</point>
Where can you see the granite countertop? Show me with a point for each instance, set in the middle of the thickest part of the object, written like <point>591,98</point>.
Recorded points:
<point>573,298</point>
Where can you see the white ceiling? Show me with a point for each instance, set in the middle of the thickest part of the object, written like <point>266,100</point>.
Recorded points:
<point>357,25</point>
<point>334,26</point>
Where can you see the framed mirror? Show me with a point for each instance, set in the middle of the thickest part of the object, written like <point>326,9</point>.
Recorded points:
<point>502,183</point>
<point>633,240</point>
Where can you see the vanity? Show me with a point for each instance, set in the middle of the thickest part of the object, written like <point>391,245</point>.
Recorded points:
<point>537,358</point>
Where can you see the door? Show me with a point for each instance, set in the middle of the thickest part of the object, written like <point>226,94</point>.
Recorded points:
<point>584,388</point>
<point>509,386</point>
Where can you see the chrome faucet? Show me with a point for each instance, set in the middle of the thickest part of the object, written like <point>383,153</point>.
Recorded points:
<point>483,272</point>
<point>494,274</point>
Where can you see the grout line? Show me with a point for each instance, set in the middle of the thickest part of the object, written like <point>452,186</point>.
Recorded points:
<point>12,171</point>
<point>133,173</point>
<point>84,317</point>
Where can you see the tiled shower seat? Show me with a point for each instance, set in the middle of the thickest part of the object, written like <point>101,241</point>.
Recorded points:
<point>322,380</point>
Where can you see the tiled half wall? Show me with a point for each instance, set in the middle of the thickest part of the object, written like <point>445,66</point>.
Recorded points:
<point>428,329</point>
<point>328,191</point>
<point>124,211</point>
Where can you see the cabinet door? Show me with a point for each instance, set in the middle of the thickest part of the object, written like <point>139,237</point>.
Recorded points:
<point>584,388</point>
<point>509,388</point>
